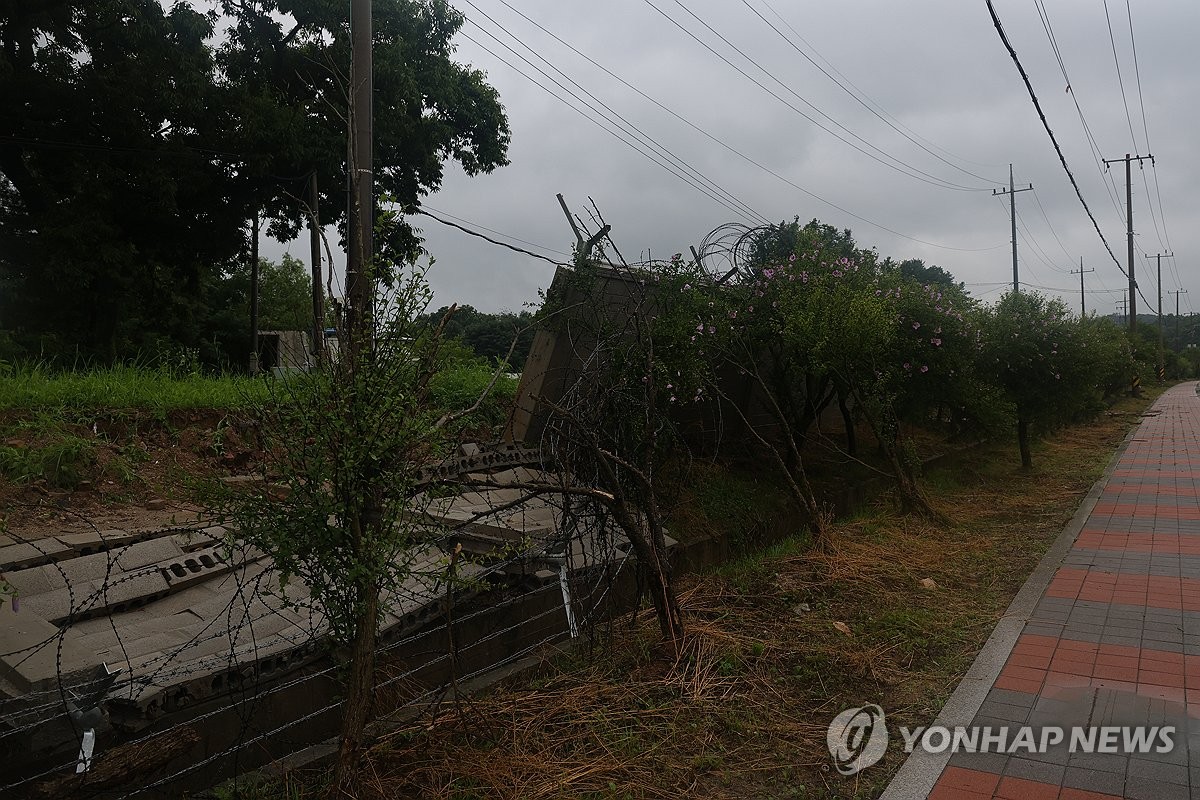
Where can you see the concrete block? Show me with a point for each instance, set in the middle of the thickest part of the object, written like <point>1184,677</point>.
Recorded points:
<point>33,649</point>
<point>56,605</point>
<point>145,553</point>
<point>185,600</point>
<point>32,581</point>
<point>133,589</point>
<point>31,554</point>
<point>86,568</point>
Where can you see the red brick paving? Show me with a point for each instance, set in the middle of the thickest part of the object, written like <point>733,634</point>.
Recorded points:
<point>1149,509</point>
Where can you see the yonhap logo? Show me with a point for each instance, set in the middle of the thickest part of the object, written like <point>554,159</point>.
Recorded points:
<point>857,738</point>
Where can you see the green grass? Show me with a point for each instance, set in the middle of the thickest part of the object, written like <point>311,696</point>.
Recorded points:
<point>36,388</point>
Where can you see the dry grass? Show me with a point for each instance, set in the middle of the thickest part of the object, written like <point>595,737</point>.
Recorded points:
<point>778,642</point>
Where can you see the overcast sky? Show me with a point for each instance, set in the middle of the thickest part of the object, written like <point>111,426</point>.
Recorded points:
<point>936,69</point>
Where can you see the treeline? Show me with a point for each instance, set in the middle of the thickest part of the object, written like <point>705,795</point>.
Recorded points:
<point>143,142</point>
<point>814,320</point>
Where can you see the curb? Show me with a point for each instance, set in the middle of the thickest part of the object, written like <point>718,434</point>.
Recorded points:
<point>920,771</point>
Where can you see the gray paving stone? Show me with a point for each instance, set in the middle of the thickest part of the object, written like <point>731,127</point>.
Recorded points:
<point>1143,770</point>
<point>1021,767</point>
<point>1156,790</point>
<point>1095,780</point>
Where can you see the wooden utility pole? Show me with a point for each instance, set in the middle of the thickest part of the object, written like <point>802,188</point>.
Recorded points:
<point>1162,364</point>
<point>1011,191</point>
<point>1128,159</point>
<point>1123,307</point>
<point>361,212</point>
<point>1082,300</point>
<point>1177,292</point>
<point>318,298</point>
<point>254,365</point>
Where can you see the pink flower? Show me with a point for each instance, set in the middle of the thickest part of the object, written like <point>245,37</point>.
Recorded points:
<point>936,342</point>
<point>924,368</point>
<point>907,365</point>
<point>916,326</point>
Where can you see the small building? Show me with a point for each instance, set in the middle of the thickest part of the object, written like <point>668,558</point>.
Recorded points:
<point>285,351</point>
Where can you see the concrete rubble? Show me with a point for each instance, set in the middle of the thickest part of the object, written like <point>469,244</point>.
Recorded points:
<point>118,630</point>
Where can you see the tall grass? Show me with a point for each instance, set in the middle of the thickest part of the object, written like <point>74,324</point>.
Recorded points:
<point>37,388</point>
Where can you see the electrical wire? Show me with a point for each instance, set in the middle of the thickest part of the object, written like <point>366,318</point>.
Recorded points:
<point>486,238</point>
<point>701,182</point>
<point>730,148</point>
<point>1106,178</point>
<point>858,99</point>
<point>1120,81</point>
<point>883,158</point>
<point>1041,114</point>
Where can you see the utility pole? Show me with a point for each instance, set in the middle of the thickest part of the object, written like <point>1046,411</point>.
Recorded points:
<point>1177,292</point>
<point>1082,301</point>
<point>1162,364</point>
<point>318,300</point>
<point>254,365</point>
<point>1011,191</point>
<point>1122,307</point>
<point>361,177</point>
<point>1128,159</point>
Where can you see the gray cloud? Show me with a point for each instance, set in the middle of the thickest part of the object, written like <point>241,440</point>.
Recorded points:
<point>937,67</point>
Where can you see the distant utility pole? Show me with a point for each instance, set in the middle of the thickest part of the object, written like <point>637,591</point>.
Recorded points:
<point>1162,364</point>
<point>1177,292</point>
<point>1128,159</point>
<point>1123,307</point>
<point>254,365</point>
<point>1011,191</point>
<point>318,300</point>
<point>1082,301</point>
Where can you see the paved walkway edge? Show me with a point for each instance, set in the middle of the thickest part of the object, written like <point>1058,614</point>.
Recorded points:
<point>920,771</point>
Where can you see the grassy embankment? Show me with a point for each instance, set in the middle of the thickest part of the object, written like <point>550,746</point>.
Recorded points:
<point>62,430</point>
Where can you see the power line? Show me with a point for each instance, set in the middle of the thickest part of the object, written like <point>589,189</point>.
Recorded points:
<point>486,238</point>
<point>860,101</point>
<point>1146,132</point>
<point>865,96</point>
<point>1053,232</point>
<point>606,127</point>
<point>1120,80</point>
<point>1041,114</point>
<point>1106,179</point>
<point>498,233</point>
<point>730,148</point>
<point>899,165</point>
<point>629,127</point>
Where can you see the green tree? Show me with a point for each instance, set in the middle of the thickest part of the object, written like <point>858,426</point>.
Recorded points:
<point>349,444</point>
<point>1050,367</point>
<point>136,145</point>
<point>284,303</point>
<point>491,335</point>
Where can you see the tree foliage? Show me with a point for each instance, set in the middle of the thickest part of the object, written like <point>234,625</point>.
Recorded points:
<point>138,141</point>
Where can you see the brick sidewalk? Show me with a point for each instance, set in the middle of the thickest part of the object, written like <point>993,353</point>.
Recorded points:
<point>1114,638</point>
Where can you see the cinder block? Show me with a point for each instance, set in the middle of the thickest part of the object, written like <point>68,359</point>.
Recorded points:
<point>145,553</point>
<point>33,581</point>
<point>95,567</point>
<point>31,554</point>
<point>34,650</point>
